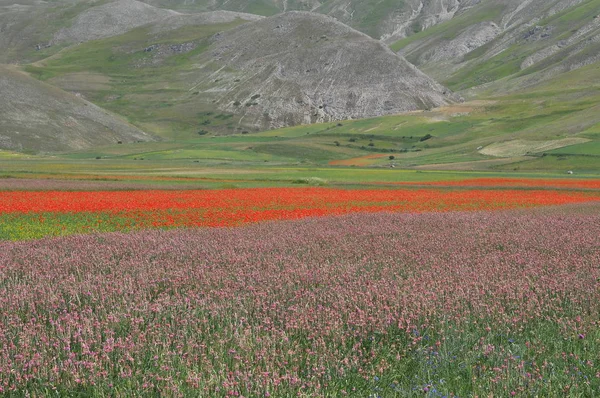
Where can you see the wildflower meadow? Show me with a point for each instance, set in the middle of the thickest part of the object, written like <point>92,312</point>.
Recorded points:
<point>40,213</point>
<point>310,292</point>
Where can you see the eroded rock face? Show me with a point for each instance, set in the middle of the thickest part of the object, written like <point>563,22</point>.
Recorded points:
<point>531,33</point>
<point>419,15</point>
<point>469,40</point>
<point>303,68</point>
<point>388,20</point>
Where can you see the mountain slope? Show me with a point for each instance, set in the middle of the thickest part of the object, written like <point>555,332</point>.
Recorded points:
<point>36,117</point>
<point>118,17</point>
<point>381,19</point>
<point>110,19</point>
<point>463,43</point>
<point>32,30</point>
<point>532,40</point>
<point>301,67</point>
<point>288,69</point>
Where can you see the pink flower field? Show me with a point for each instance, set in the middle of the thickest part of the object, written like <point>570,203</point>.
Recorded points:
<point>457,304</point>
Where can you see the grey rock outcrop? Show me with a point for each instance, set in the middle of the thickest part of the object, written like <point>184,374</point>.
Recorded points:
<point>469,40</point>
<point>538,38</point>
<point>301,67</point>
<point>388,21</point>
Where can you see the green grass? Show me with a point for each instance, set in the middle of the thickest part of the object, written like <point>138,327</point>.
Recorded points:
<point>38,26</point>
<point>583,13</point>
<point>37,226</point>
<point>227,174</point>
<point>208,154</point>
<point>593,132</point>
<point>504,64</point>
<point>559,163</point>
<point>117,55</point>
<point>368,15</point>
<point>262,7</point>
<point>589,149</point>
<point>12,155</point>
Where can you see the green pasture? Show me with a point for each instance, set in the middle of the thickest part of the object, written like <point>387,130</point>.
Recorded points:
<point>587,149</point>
<point>190,175</point>
<point>37,226</point>
<point>441,139</point>
<point>438,137</point>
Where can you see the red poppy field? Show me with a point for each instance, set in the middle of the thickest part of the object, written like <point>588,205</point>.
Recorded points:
<point>486,288</point>
<point>35,214</point>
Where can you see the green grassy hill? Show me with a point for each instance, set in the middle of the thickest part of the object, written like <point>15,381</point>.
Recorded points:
<point>36,117</point>
<point>32,31</point>
<point>136,75</point>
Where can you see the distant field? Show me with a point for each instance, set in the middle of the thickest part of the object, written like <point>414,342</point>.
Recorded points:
<point>590,149</point>
<point>226,175</point>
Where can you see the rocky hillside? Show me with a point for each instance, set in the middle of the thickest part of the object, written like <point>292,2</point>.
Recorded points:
<point>525,41</point>
<point>110,19</point>
<point>301,67</point>
<point>32,30</point>
<point>117,17</point>
<point>463,43</point>
<point>388,20</point>
<point>289,69</point>
<point>36,117</point>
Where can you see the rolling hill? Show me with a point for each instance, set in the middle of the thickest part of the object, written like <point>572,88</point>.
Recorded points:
<point>31,31</point>
<point>464,43</point>
<point>283,70</point>
<point>300,68</point>
<point>118,17</point>
<point>37,117</point>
